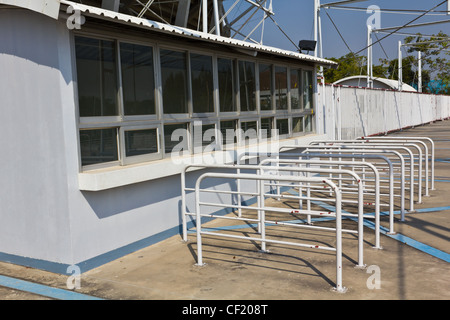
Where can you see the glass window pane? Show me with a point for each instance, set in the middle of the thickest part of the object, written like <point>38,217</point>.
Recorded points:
<point>250,130</point>
<point>295,89</point>
<point>138,142</point>
<point>308,123</point>
<point>208,134</point>
<point>265,86</point>
<point>96,77</point>
<point>297,124</point>
<point>202,83</point>
<point>176,135</point>
<point>174,81</point>
<point>226,92</point>
<point>247,86</point>
<point>281,88</point>
<point>228,130</point>
<point>307,89</point>
<point>266,127</point>
<point>98,146</point>
<point>283,126</point>
<point>138,84</point>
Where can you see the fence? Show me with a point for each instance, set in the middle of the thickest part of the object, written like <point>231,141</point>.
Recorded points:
<point>351,112</point>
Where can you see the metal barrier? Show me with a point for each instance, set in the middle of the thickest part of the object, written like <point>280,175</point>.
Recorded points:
<point>360,191</point>
<point>325,152</point>
<point>378,157</point>
<point>261,197</point>
<point>423,140</point>
<point>404,147</point>
<point>263,239</point>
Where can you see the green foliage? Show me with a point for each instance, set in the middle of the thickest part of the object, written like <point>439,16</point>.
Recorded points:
<point>435,64</point>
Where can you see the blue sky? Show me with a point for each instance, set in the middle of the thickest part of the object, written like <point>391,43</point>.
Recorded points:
<point>295,17</point>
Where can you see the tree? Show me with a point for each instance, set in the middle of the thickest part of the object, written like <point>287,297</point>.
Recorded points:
<point>349,65</point>
<point>435,64</point>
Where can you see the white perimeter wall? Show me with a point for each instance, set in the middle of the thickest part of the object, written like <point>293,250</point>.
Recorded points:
<point>354,112</point>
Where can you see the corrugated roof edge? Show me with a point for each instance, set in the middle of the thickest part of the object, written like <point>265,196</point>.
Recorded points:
<point>123,18</point>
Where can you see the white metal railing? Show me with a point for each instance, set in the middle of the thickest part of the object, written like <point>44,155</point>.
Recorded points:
<point>263,237</point>
<point>340,156</point>
<point>361,191</point>
<point>404,146</point>
<point>411,139</point>
<point>363,152</point>
<point>260,170</point>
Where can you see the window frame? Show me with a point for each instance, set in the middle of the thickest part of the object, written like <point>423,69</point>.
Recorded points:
<point>157,121</point>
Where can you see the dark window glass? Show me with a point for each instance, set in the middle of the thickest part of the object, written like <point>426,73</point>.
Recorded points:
<point>202,83</point>
<point>265,86</point>
<point>283,126</point>
<point>98,146</point>
<point>139,142</point>
<point>296,89</point>
<point>247,86</point>
<point>281,88</point>
<point>266,127</point>
<point>226,92</point>
<point>138,84</point>
<point>228,130</point>
<point>174,81</point>
<point>97,77</point>
<point>174,134</point>
<point>250,130</point>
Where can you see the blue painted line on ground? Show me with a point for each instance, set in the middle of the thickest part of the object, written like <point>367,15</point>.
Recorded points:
<point>43,290</point>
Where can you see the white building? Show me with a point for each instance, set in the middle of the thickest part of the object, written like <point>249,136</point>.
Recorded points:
<point>377,83</point>
<point>88,115</point>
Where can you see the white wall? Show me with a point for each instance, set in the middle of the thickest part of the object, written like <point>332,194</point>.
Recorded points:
<point>354,112</point>
<point>33,169</point>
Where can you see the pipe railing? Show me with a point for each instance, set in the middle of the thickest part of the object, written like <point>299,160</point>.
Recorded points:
<point>263,238</point>
<point>325,152</point>
<point>407,139</point>
<point>404,146</point>
<point>377,157</point>
<point>261,198</point>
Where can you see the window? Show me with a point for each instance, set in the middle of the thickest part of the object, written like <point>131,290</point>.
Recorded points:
<point>265,86</point>
<point>281,88</point>
<point>139,142</point>
<point>98,146</point>
<point>283,126</point>
<point>297,124</point>
<point>247,86</point>
<point>307,89</point>
<point>226,89</point>
<point>138,83</point>
<point>296,102</point>
<point>202,83</point>
<point>249,131</point>
<point>176,137</point>
<point>228,130</point>
<point>174,81</point>
<point>308,123</point>
<point>266,127</point>
<point>133,109</point>
<point>97,77</point>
